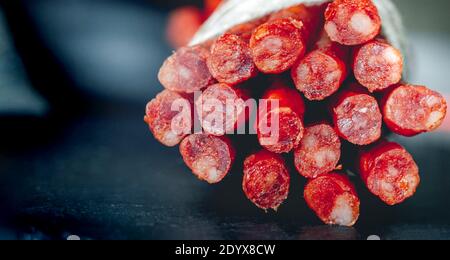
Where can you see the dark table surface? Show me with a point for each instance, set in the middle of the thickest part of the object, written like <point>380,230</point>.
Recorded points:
<point>90,167</point>
<point>105,177</point>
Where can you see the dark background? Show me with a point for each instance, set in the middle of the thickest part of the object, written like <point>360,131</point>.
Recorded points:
<point>76,157</point>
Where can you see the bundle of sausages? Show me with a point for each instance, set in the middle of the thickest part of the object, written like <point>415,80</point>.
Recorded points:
<point>337,83</point>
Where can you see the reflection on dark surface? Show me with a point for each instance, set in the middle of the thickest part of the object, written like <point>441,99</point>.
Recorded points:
<point>328,233</point>
<point>90,167</point>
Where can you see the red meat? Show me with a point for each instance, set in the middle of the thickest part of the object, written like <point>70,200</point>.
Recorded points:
<point>186,70</point>
<point>321,73</point>
<point>389,172</point>
<point>231,60</point>
<point>357,116</point>
<point>169,117</point>
<point>352,22</point>
<point>377,65</point>
<point>410,110</point>
<point>222,108</point>
<point>333,198</point>
<point>288,131</point>
<point>319,151</point>
<point>266,180</point>
<point>209,157</point>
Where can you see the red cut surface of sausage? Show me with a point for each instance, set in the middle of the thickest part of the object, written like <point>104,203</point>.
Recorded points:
<point>183,23</point>
<point>319,151</point>
<point>389,172</point>
<point>352,22</point>
<point>286,135</point>
<point>169,127</point>
<point>333,198</point>
<point>209,157</point>
<point>288,131</point>
<point>357,117</point>
<point>266,180</point>
<point>221,108</point>
<point>231,60</point>
<point>409,110</point>
<point>245,30</point>
<point>377,65</point>
<point>277,45</point>
<point>321,73</point>
<point>186,70</point>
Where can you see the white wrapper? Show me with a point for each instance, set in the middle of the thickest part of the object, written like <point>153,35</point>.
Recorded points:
<point>234,12</point>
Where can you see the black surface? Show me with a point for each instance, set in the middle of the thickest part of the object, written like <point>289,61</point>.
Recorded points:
<point>91,167</point>
<point>105,177</point>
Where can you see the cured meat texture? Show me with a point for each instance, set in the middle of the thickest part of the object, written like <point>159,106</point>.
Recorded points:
<point>357,116</point>
<point>410,110</point>
<point>169,117</point>
<point>209,157</point>
<point>333,198</point>
<point>277,45</point>
<point>231,60</point>
<point>281,128</point>
<point>221,109</point>
<point>319,151</point>
<point>186,70</point>
<point>352,22</point>
<point>321,72</point>
<point>377,65</point>
<point>389,172</point>
<point>266,180</point>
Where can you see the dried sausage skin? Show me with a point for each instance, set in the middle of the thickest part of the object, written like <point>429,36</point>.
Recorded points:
<point>246,30</point>
<point>311,17</point>
<point>287,132</point>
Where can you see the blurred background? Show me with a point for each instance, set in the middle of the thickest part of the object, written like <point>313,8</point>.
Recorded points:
<point>77,159</point>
